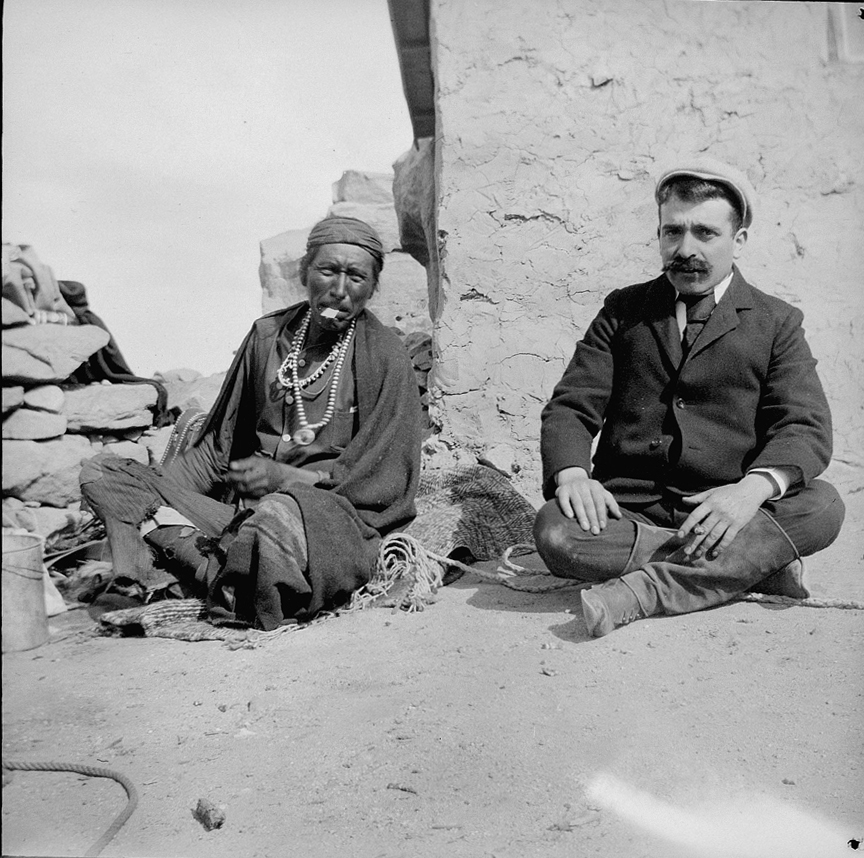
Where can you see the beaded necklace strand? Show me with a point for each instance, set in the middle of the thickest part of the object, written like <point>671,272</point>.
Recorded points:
<point>288,376</point>
<point>283,375</point>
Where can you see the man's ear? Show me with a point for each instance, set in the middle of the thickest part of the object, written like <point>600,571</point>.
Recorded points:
<point>740,240</point>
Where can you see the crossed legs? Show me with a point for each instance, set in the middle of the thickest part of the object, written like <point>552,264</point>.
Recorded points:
<point>648,571</point>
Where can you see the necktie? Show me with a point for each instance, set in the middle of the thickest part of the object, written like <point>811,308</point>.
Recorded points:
<point>699,308</point>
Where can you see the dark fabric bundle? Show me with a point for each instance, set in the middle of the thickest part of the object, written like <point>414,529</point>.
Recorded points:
<point>107,364</point>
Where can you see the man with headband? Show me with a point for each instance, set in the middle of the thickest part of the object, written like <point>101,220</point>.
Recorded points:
<point>712,424</point>
<point>316,437</point>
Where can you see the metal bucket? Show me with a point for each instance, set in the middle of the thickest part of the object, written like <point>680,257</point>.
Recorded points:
<point>25,624</point>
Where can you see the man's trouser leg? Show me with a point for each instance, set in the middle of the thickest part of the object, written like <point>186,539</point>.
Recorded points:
<point>623,545</point>
<point>123,493</point>
<point>781,531</point>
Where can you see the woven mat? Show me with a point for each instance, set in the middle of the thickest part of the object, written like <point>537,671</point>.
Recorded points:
<point>186,620</point>
<point>471,507</point>
<point>474,508</point>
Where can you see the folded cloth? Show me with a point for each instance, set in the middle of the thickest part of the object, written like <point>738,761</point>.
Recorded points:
<point>107,364</point>
<point>31,285</point>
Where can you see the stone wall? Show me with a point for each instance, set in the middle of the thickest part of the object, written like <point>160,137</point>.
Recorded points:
<point>51,425</point>
<point>554,117</point>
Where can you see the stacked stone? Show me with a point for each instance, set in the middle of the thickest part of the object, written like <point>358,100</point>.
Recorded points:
<point>51,425</point>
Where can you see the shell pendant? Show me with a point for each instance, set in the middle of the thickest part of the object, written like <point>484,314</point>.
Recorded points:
<point>303,437</point>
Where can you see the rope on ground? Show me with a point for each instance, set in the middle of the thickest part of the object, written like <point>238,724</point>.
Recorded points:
<point>530,580</point>
<point>843,604</point>
<point>94,772</point>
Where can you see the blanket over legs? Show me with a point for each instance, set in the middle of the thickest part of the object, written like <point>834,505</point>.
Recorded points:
<point>270,572</point>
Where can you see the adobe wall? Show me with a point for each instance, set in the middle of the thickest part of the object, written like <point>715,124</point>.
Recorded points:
<point>552,120</point>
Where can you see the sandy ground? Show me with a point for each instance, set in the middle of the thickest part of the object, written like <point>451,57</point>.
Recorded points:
<point>488,725</point>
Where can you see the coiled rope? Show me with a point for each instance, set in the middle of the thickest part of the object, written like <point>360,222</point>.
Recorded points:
<point>94,772</point>
<point>410,574</point>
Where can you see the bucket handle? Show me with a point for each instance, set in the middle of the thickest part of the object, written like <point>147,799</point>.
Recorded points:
<point>23,571</point>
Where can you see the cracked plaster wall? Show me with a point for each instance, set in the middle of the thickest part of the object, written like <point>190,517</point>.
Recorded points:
<point>552,120</point>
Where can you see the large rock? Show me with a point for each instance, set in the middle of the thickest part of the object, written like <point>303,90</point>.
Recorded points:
<point>45,397</point>
<point>45,471</point>
<point>279,269</point>
<point>382,216</point>
<point>359,187</point>
<point>414,201</point>
<point>48,352</point>
<point>109,407</point>
<point>183,375</point>
<point>156,442</point>
<point>128,450</point>
<point>13,314</point>
<point>25,424</point>
<point>13,397</point>
<point>199,393</point>
<point>368,197</point>
<point>42,520</point>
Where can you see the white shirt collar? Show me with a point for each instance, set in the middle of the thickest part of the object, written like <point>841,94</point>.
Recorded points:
<point>719,289</point>
<point>681,309</point>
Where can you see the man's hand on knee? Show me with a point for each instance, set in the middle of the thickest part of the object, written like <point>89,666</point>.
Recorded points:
<point>585,499</point>
<point>721,512</point>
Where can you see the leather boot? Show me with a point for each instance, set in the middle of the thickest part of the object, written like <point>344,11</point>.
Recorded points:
<point>652,543</point>
<point>180,549</point>
<point>790,581</point>
<point>630,597</point>
<point>681,583</point>
<point>615,603</point>
<point>684,583</point>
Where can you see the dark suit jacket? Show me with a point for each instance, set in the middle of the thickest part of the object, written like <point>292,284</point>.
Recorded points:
<point>747,396</point>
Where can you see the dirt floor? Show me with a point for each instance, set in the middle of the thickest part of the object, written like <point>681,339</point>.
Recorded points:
<point>487,725</point>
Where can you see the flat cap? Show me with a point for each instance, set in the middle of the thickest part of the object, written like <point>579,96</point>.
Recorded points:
<point>713,170</point>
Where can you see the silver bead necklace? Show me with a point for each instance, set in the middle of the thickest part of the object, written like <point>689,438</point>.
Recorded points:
<point>283,373</point>
<point>289,377</point>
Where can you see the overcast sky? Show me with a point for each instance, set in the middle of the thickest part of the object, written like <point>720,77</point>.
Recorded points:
<point>149,145</point>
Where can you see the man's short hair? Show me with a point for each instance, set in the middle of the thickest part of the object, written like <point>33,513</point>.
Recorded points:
<point>690,189</point>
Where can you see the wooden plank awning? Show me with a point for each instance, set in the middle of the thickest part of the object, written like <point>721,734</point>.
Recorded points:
<point>410,19</point>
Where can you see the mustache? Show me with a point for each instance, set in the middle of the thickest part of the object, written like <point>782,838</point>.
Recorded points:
<point>688,266</point>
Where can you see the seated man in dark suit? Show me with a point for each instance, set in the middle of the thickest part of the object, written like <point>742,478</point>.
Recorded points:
<point>713,428</point>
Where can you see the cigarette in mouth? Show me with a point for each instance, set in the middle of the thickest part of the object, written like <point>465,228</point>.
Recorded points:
<point>329,313</point>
